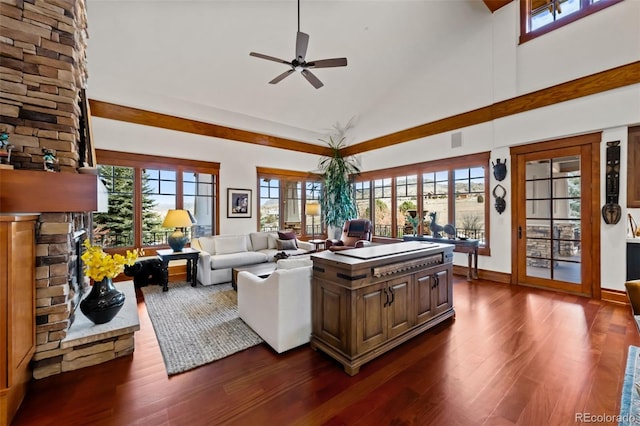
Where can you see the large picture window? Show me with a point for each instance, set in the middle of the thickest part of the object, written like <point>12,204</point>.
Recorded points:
<point>283,201</point>
<point>143,188</point>
<point>451,191</point>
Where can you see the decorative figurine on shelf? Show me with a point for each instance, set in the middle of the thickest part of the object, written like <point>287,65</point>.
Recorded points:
<point>413,221</point>
<point>450,230</point>
<point>435,228</point>
<point>5,149</point>
<point>50,160</point>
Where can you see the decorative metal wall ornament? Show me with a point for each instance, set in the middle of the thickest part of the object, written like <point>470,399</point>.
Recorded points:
<point>499,192</point>
<point>499,169</point>
<point>611,211</point>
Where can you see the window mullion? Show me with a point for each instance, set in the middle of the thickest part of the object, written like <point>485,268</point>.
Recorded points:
<point>137,210</point>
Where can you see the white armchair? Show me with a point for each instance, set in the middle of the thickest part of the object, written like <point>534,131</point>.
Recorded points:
<point>278,308</point>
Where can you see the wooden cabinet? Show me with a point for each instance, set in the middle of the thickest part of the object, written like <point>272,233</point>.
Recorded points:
<point>17,309</point>
<point>633,165</point>
<point>364,306</point>
<point>433,292</point>
<point>383,311</point>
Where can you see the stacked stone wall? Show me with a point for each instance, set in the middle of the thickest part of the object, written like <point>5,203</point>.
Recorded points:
<point>42,70</point>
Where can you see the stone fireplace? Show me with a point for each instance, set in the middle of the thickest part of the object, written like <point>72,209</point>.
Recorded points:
<point>43,73</point>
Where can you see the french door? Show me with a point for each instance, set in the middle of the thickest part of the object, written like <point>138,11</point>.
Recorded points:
<point>555,213</point>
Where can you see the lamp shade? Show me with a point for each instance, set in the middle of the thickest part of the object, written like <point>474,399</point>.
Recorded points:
<point>313,209</point>
<point>177,219</point>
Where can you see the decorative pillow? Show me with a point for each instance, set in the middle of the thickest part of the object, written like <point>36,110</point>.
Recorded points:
<point>287,235</point>
<point>228,245</point>
<point>259,240</point>
<point>286,244</point>
<point>271,240</point>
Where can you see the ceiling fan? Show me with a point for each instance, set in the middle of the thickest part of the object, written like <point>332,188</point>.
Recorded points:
<point>299,63</point>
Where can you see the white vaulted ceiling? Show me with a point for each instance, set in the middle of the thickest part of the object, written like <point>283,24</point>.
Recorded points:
<point>409,62</point>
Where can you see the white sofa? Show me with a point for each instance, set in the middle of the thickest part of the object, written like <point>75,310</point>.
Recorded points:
<point>219,254</point>
<point>278,308</point>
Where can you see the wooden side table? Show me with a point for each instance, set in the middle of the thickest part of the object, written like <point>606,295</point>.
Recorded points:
<point>317,243</point>
<point>167,255</point>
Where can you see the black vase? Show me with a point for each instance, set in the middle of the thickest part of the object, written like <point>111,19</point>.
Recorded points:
<point>103,303</point>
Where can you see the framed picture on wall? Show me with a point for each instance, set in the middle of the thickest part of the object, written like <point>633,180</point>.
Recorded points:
<point>238,202</point>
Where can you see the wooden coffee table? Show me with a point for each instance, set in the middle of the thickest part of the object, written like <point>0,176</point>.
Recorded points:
<point>262,270</point>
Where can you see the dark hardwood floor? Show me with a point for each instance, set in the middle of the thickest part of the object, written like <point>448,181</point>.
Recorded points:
<point>513,355</point>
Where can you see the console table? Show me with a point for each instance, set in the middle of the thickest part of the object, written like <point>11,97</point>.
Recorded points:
<point>167,255</point>
<point>461,246</point>
<point>366,301</point>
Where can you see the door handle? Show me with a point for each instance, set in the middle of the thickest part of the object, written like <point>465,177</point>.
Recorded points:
<point>519,232</point>
<point>387,297</point>
<point>393,295</point>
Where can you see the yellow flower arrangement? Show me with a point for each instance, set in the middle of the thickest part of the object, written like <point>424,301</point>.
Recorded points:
<point>99,265</point>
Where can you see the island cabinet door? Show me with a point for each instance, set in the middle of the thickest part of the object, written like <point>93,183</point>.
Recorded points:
<point>400,314</point>
<point>329,313</point>
<point>442,289</point>
<point>371,314</point>
<point>423,299</point>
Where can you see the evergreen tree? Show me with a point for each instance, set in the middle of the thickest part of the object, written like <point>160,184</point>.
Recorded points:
<point>116,226</point>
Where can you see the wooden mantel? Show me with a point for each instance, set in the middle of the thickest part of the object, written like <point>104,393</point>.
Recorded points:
<point>32,191</point>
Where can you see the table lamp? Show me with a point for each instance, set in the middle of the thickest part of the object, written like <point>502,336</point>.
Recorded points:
<point>178,219</point>
<point>313,210</point>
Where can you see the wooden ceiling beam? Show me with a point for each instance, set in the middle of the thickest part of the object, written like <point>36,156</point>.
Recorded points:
<point>494,5</point>
<point>149,118</point>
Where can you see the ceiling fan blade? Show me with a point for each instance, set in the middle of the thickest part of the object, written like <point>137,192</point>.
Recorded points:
<point>302,42</point>
<point>312,79</point>
<point>269,58</point>
<point>328,63</point>
<point>281,77</point>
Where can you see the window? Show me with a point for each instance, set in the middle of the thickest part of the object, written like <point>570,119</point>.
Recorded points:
<point>141,191</point>
<point>542,16</point>
<point>383,211</point>
<point>158,197</point>
<point>313,196</point>
<point>269,204</point>
<point>363,199</point>
<point>198,197</point>
<point>435,197</point>
<point>283,201</point>
<point>406,202</point>
<point>470,192</point>
<point>452,191</point>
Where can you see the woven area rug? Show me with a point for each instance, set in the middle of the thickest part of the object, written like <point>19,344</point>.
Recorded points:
<point>630,400</point>
<point>196,325</point>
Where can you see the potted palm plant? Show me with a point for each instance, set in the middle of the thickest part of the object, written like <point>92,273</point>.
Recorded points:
<point>337,200</point>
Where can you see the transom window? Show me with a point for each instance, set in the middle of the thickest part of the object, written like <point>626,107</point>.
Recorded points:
<point>541,16</point>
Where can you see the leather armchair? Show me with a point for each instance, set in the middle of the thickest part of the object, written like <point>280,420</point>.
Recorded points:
<point>355,233</point>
